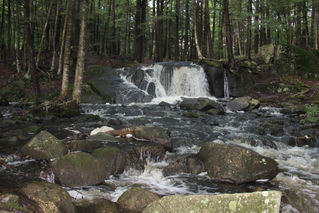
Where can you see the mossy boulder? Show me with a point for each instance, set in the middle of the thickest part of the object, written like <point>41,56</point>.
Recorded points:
<point>235,164</point>
<point>113,159</point>
<point>154,134</point>
<point>266,201</point>
<point>79,169</point>
<point>44,146</point>
<point>97,206</point>
<point>48,197</point>
<point>10,203</point>
<point>136,199</point>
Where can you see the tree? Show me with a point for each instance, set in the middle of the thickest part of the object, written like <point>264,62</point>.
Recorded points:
<point>199,53</point>
<point>248,44</point>
<point>67,52</point>
<point>80,56</point>
<point>139,29</point>
<point>29,47</point>
<point>229,40</point>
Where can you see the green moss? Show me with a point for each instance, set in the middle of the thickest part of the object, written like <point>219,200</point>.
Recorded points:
<point>95,70</point>
<point>104,151</point>
<point>79,160</point>
<point>191,115</point>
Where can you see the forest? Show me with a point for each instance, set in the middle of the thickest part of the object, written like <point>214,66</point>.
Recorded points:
<point>54,36</point>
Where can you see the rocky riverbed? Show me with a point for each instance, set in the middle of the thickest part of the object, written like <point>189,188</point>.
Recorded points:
<point>194,147</point>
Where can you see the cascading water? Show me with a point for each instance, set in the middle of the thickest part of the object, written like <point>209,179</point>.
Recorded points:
<point>226,86</point>
<point>173,79</point>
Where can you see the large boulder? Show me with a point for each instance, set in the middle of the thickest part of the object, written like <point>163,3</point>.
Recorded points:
<point>266,201</point>
<point>202,104</point>
<point>113,159</point>
<point>136,199</point>
<point>44,146</point>
<point>96,206</point>
<point>243,103</point>
<point>79,169</point>
<point>48,197</point>
<point>154,134</point>
<point>236,164</point>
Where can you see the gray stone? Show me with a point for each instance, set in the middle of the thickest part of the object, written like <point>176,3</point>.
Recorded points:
<point>266,201</point>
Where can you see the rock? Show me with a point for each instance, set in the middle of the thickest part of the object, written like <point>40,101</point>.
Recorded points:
<point>113,159</point>
<point>136,199</point>
<point>154,134</point>
<point>138,77</point>
<point>215,76</point>
<point>79,169</point>
<point>103,137</point>
<point>202,104</point>
<point>191,115</point>
<point>243,103</point>
<point>293,109</point>
<point>97,206</point>
<point>236,164</point>
<point>44,146</point>
<point>184,164</point>
<point>84,145</point>
<point>50,198</point>
<point>10,203</point>
<point>103,129</point>
<point>266,201</point>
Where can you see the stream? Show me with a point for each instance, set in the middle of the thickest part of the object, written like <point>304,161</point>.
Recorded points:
<point>264,130</point>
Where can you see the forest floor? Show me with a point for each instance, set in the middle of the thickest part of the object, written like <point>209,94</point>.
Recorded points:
<point>271,88</point>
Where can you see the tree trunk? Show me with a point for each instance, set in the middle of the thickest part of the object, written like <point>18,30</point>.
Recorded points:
<point>207,29</point>
<point>17,38</point>
<point>28,42</point>
<point>298,25</point>
<point>67,53</point>
<point>55,35</point>
<point>316,22</point>
<point>61,53</point>
<point>43,34</point>
<point>256,40</point>
<point>138,46</point>
<point>2,42</point>
<point>168,32</point>
<point>199,53</point>
<point>159,31</point>
<point>185,52</point>
<point>263,39</point>
<point>268,24</point>
<point>305,30</point>
<point>229,40</point>
<point>9,27</point>
<point>76,95</point>
<point>177,30</point>
<point>214,26</point>
<point>248,44</point>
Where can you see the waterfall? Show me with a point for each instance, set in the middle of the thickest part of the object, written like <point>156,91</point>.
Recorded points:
<point>176,79</point>
<point>226,86</point>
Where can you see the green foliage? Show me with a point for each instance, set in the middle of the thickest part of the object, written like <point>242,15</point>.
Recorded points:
<point>312,114</point>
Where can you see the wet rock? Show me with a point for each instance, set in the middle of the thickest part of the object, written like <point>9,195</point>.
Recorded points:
<point>49,198</point>
<point>293,109</point>
<point>184,164</point>
<point>215,77</point>
<point>103,137</point>
<point>202,104</point>
<point>154,134</point>
<point>191,115</point>
<point>136,199</point>
<point>113,159</point>
<point>44,146</point>
<point>97,206</point>
<point>243,103</point>
<point>151,90</point>
<point>236,164</point>
<point>138,77</point>
<point>137,156</point>
<point>266,201</point>
<point>79,169</point>
<point>84,145</point>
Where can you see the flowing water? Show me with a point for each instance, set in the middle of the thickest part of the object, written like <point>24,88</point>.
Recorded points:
<point>299,166</point>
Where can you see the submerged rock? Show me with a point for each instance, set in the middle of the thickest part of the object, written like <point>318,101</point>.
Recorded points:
<point>235,164</point>
<point>97,206</point>
<point>202,104</point>
<point>79,169</point>
<point>44,146</point>
<point>154,134</point>
<point>48,198</point>
<point>136,199</point>
<point>113,159</point>
<point>243,103</point>
<point>266,201</point>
